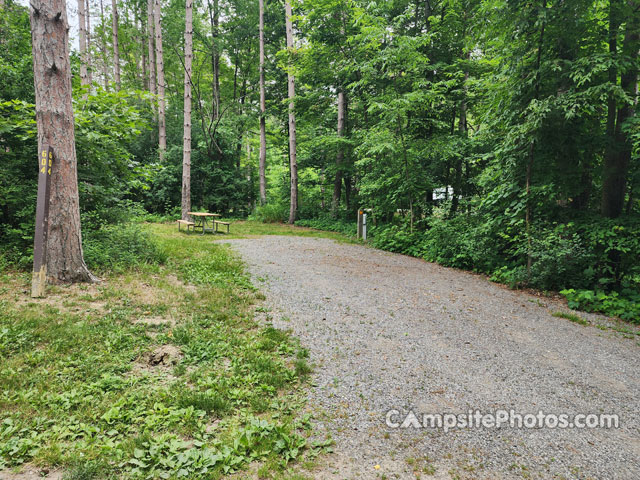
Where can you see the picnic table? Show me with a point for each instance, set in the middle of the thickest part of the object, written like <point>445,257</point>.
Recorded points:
<point>202,219</point>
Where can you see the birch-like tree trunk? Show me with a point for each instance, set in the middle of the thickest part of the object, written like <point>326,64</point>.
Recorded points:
<point>103,48</point>
<point>82,42</point>
<point>151,50</point>
<point>186,155</point>
<point>263,109</point>
<point>143,48</point>
<point>162,126</point>
<point>54,118</point>
<point>214,17</point>
<point>337,184</point>
<point>291,84</point>
<point>116,46</point>
<point>89,59</point>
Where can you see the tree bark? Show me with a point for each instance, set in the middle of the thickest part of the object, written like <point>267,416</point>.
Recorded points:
<point>82,43</point>
<point>116,47</point>
<point>186,155</point>
<point>103,48</point>
<point>618,156</point>
<point>214,15</point>
<point>263,109</point>
<point>54,118</point>
<point>89,59</point>
<point>142,27</point>
<point>291,83</point>
<point>337,184</point>
<point>162,127</point>
<point>151,58</point>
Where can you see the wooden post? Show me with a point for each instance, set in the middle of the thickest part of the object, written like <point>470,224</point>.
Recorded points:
<point>39,279</point>
<point>360,223</point>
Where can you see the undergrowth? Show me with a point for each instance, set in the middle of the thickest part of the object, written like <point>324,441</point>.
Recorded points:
<point>77,390</point>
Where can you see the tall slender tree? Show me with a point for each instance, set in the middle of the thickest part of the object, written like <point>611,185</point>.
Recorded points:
<point>337,184</point>
<point>151,57</point>
<point>162,126</point>
<point>82,42</point>
<point>89,59</point>
<point>214,17</point>
<point>291,90</point>
<point>116,46</point>
<point>103,48</point>
<point>54,118</point>
<point>186,155</point>
<point>263,111</point>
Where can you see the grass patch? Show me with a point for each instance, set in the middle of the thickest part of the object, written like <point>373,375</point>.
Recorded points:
<point>572,317</point>
<point>83,387</point>
<point>251,228</point>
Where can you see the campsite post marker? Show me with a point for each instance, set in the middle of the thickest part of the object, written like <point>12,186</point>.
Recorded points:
<point>39,279</point>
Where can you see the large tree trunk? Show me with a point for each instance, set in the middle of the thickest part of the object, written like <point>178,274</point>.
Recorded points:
<point>263,109</point>
<point>82,41</point>
<point>162,126</point>
<point>54,117</point>
<point>337,184</point>
<point>103,48</point>
<point>186,155</point>
<point>291,83</point>
<point>618,155</point>
<point>89,60</point>
<point>116,47</point>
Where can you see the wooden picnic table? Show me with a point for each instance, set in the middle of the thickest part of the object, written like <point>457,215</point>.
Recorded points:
<point>201,220</point>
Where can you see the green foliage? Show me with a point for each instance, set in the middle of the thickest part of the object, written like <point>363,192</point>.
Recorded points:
<point>105,124</point>
<point>104,412</point>
<point>119,247</point>
<point>625,305</point>
<point>330,224</point>
<point>271,213</point>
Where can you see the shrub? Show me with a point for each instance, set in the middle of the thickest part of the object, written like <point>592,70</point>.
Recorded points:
<point>271,213</point>
<point>560,259</point>
<point>625,305</point>
<point>330,224</point>
<point>119,247</point>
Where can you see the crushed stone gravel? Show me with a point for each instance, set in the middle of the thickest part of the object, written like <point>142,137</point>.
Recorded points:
<point>387,331</point>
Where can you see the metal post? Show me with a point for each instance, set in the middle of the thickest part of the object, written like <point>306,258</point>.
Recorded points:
<point>39,278</point>
<point>360,214</point>
<point>364,227</point>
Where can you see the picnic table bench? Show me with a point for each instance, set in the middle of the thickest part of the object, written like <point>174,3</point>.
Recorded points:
<point>186,223</point>
<point>218,222</point>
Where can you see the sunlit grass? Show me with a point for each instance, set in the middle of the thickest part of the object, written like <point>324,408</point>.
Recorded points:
<point>79,392</point>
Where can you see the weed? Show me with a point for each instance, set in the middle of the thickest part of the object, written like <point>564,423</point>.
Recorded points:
<point>571,317</point>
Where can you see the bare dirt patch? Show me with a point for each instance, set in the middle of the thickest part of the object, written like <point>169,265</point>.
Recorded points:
<point>30,473</point>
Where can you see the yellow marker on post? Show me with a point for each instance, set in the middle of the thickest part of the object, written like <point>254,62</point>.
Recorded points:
<point>39,278</point>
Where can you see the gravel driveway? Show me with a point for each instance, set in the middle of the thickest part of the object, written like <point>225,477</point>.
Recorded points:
<point>390,332</point>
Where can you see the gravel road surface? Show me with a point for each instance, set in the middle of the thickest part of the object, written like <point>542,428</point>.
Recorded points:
<point>389,332</point>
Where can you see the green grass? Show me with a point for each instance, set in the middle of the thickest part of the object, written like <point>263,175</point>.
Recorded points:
<point>77,391</point>
<point>252,228</point>
<point>571,317</point>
